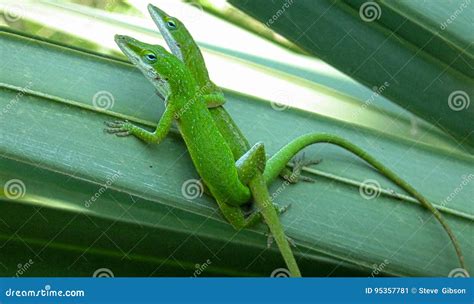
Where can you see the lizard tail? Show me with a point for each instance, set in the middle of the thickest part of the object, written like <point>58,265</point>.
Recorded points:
<point>277,162</point>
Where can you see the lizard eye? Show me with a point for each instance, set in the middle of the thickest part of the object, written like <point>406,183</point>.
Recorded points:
<point>150,57</point>
<point>171,24</point>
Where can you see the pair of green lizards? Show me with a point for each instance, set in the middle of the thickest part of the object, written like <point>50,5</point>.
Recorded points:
<point>233,171</point>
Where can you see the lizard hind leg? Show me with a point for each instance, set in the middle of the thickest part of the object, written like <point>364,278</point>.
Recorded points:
<point>251,162</point>
<point>236,216</point>
<point>214,100</point>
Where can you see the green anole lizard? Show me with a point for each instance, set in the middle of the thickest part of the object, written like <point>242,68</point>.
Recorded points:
<point>182,44</point>
<point>274,166</point>
<point>225,178</point>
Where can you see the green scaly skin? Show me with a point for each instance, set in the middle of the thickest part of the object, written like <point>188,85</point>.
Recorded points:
<point>182,44</point>
<point>213,159</point>
<point>236,194</point>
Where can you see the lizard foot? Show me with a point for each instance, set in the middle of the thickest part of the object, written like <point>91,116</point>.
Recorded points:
<point>118,127</point>
<point>298,163</point>
<point>270,240</point>
<point>281,210</point>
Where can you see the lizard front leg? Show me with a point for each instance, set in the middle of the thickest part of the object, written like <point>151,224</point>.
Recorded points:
<point>125,128</point>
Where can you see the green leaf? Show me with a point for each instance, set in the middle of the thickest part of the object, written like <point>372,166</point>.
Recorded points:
<point>425,61</point>
<point>88,200</point>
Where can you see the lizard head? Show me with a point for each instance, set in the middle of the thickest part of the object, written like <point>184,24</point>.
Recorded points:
<point>172,29</point>
<point>158,65</point>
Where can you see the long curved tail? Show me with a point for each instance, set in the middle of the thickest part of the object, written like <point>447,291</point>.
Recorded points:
<point>277,162</point>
